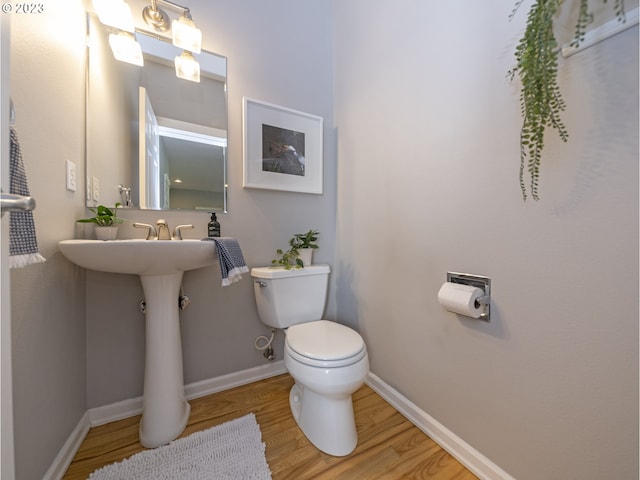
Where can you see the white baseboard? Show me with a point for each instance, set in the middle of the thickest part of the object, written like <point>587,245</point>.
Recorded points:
<point>236,379</point>
<point>115,411</point>
<point>133,406</point>
<point>458,448</point>
<point>128,408</point>
<point>67,452</point>
<point>477,463</point>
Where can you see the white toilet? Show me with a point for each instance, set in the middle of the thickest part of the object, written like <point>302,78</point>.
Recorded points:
<point>327,360</point>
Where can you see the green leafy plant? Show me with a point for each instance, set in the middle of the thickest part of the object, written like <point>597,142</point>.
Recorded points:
<point>541,101</point>
<point>305,240</point>
<point>289,259</point>
<point>104,216</point>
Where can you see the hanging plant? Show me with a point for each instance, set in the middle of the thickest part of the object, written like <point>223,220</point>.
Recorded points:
<point>541,101</point>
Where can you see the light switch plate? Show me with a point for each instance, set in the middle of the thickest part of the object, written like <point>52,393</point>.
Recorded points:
<point>89,189</point>
<point>95,189</point>
<point>70,175</point>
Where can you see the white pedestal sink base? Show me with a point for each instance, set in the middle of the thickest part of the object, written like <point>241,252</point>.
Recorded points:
<point>160,265</point>
<point>165,411</point>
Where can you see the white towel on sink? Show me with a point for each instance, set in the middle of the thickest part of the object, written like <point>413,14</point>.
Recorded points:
<point>232,264</point>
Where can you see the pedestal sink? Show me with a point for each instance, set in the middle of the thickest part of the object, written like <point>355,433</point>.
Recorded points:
<point>160,265</point>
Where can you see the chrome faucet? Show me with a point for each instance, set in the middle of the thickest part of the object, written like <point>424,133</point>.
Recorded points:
<point>152,234</point>
<point>163,230</point>
<point>177,232</point>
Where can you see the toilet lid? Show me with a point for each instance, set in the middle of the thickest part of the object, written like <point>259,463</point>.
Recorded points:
<point>324,340</point>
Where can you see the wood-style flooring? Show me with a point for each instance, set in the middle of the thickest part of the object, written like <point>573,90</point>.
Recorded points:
<point>389,446</point>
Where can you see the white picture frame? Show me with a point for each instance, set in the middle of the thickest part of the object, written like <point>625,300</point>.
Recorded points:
<point>282,148</point>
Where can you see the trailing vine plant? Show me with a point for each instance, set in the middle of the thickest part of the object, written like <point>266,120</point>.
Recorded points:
<point>541,101</point>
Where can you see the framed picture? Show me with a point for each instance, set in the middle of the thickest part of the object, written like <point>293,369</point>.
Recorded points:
<point>282,148</point>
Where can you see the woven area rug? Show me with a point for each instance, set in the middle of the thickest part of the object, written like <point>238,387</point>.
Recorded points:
<point>233,450</point>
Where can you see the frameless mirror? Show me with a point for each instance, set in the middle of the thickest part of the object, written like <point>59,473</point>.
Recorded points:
<point>154,141</point>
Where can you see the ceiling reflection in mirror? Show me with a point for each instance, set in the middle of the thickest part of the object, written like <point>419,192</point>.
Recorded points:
<point>159,137</point>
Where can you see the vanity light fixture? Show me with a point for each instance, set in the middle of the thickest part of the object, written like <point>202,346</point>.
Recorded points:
<point>115,13</point>
<point>184,32</point>
<point>187,67</point>
<point>125,48</point>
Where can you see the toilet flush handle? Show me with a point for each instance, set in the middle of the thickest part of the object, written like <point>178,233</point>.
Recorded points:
<point>261,284</point>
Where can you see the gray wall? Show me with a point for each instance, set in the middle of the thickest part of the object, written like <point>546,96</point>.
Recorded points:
<point>266,61</point>
<point>63,366</point>
<point>47,300</point>
<point>428,155</point>
<point>426,133</point>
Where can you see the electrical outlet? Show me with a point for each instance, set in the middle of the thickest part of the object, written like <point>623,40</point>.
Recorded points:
<point>71,175</point>
<point>95,189</point>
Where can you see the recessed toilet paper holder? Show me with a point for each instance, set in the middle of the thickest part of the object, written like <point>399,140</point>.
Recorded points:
<point>478,281</point>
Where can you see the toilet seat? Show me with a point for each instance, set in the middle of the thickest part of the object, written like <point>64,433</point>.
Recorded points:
<point>323,343</point>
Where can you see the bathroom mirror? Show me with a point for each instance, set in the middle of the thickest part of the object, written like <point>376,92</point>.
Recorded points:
<point>154,141</point>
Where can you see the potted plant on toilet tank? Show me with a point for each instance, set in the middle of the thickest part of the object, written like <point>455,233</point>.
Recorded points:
<point>106,221</point>
<point>300,252</point>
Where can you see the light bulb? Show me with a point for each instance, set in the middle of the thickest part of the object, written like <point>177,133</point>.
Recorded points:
<point>186,35</point>
<point>125,48</point>
<point>115,13</point>
<point>187,67</point>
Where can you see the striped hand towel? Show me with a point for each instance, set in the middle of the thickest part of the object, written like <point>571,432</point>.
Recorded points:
<point>232,264</point>
<point>23,244</point>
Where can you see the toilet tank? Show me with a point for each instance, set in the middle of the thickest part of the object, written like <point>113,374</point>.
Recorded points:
<point>287,297</point>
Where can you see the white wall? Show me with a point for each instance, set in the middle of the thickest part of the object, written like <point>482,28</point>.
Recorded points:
<point>428,160</point>
<point>49,344</point>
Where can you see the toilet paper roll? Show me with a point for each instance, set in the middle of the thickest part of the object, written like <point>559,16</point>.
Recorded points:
<point>460,299</point>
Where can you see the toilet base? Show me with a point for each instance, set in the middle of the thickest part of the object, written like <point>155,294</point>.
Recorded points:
<point>328,423</point>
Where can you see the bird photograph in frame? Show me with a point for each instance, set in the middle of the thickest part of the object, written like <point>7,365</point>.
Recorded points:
<point>282,150</point>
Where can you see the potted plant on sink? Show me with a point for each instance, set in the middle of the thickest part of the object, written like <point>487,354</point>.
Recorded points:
<point>300,252</point>
<point>106,221</point>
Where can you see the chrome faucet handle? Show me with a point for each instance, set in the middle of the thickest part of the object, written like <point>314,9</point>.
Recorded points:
<point>177,232</point>
<point>151,233</point>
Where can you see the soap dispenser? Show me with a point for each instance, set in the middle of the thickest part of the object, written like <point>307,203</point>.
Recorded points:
<point>213,229</point>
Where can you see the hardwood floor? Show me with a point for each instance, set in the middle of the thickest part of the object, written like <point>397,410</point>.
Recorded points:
<point>389,446</point>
